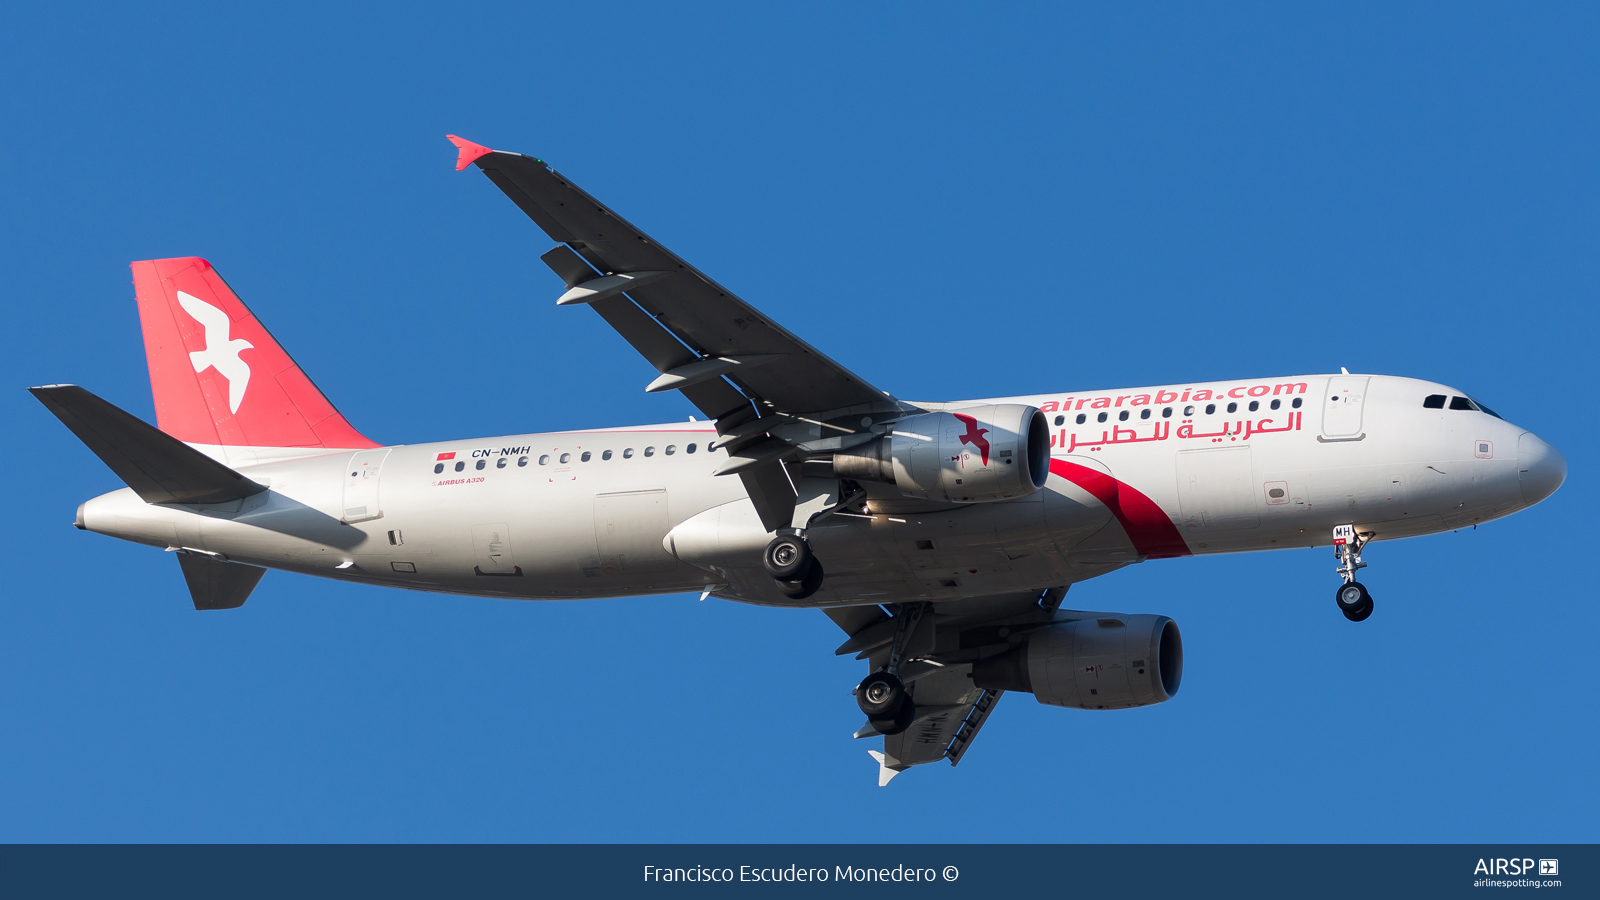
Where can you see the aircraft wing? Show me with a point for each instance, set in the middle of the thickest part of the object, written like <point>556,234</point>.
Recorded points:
<point>949,708</point>
<point>734,363</point>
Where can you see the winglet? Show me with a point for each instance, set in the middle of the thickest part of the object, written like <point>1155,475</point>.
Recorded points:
<point>469,151</point>
<point>884,772</point>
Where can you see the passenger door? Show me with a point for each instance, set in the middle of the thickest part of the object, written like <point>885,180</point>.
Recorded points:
<point>361,486</point>
<point>1341,407</point>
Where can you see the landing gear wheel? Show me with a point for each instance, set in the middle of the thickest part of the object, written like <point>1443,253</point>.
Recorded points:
<point>900,722</point>
<point>787,557</point>
<point>1354,601</point>
<point>883,698</point>
<point>804,586</point>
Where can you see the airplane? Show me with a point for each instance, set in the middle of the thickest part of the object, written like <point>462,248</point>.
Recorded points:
<point>941,537</point>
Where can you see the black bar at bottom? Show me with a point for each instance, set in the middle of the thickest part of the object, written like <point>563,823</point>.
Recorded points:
<point>643,870</point>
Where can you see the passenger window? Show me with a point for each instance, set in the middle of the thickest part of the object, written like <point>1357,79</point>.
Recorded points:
<point>1233,407</point>
<point>1122,416</point>
<point>1082,418</point>
<point>649,451</point>
<point>1277,403</point>
<point>500,463</point>
<point>1101,417</point>
<point>689,449</point>
<point>606,455</point>
<point>1433,401</point>
<point>1188,410</point>
<point>437,468</point>
<point>565,457</point>
<point>1166,413</point>
<point>1211,409</point>
<point>1461,403</point>
<point>1061,420</point>
<point>586,456</point>
<point>1144,413</point>
<point>522,461</point>
<point>461,465</point>
<point>628,453</point>
<point>671,449</point>
<point>481,464</point>
<point>1254,406</point>
<point>1296,403</point>
<point>544,459</point>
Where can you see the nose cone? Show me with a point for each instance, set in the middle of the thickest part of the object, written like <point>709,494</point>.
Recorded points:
<point>1540,467</point>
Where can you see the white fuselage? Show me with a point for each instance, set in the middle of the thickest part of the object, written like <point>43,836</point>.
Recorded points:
<point>637,510</point>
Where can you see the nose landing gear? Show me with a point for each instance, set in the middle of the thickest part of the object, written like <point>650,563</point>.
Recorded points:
<point>1352,596</point>
<point>1354,601</point>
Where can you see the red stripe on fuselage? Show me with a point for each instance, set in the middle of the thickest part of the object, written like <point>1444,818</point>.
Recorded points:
<point>1153,534</point>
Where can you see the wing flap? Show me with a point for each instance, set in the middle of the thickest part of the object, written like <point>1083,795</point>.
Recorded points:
<point>944,699</point>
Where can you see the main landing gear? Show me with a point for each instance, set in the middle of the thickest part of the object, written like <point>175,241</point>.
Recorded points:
<point>882,695</point>
<point>788,559</point>
<point>1352,596</point>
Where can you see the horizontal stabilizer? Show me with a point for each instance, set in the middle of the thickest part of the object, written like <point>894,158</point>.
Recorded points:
<point>159,467</point>
<point>218,584</point>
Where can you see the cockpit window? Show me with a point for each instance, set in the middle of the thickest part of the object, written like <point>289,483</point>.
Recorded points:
<point>1434,401</point>
<point>1486,409</point>
<point>1461,403</point>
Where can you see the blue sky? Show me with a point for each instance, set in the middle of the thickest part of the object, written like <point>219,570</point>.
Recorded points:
<point>952,200</point>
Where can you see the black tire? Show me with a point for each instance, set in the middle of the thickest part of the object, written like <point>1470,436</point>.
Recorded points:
<point>1351,597</point>
<point>900,722</point>
<point>881,696</point>
<point>786,558</point>
<point>807,585</point>
<point>1360,613</point>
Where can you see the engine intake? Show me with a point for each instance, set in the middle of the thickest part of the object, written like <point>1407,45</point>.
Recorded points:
<point>1107,662</point>
<point>975,455</point>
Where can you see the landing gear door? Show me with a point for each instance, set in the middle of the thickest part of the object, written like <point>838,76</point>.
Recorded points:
<point>361,475</point>
<point>1341,407</point>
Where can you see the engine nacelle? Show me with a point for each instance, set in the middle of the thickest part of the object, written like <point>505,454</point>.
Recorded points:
<point>1106,662</point>
<point>972,455</point>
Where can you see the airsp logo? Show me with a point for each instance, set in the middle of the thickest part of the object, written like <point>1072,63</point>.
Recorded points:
<point>220,352</point>
<point>1516,867</point>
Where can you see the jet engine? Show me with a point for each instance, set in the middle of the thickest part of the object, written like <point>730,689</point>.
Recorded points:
<point>1108,662</point>
<point>975,455</point>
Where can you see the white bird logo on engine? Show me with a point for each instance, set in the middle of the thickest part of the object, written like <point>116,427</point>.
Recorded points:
<point>220,353</point>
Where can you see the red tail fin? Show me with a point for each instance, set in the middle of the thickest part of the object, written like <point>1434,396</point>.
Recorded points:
<point>217,375</point>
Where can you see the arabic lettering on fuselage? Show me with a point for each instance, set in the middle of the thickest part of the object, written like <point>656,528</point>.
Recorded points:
<point>1231,430</point>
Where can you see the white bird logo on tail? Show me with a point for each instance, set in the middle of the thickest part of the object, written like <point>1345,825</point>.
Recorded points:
<point>220,353</point>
